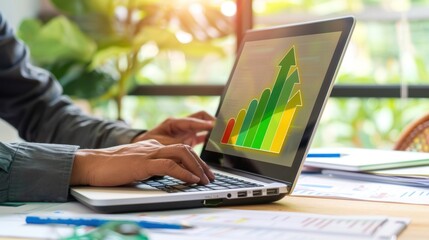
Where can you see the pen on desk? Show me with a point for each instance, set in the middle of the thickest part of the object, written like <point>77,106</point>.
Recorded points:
<point>324,155</point>
<point>94,222</point>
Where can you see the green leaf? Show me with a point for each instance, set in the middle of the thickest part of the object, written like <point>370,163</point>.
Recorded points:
<point>101,29</point>
<point>90,85</point>
<point>106,7</point>
<point>77,81</point>
<point>103,56</point>
<point>101,6</point>
<point>96,18</point>
<point>72,7</point>
<point>66,71</point>
<point>60,39</point>
<point>28,29</point>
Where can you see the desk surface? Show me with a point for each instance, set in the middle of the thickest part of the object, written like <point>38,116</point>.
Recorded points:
<point>419,214</point>
<point>416,230</point>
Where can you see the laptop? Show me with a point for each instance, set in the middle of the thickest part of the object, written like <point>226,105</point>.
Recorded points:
<point>267,116</point>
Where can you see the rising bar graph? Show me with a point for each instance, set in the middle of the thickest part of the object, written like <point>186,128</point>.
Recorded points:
<point>265,123</point>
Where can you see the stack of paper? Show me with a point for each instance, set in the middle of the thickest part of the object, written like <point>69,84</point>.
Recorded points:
<point>385,166</point>
<point>321,185</point>
<point>360,159</point>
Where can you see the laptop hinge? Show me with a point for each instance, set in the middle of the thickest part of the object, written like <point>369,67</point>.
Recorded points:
<point>250,175</point>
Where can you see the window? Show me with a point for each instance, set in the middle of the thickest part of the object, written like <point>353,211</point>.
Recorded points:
<point>381,86</point>
<point>388,49</point>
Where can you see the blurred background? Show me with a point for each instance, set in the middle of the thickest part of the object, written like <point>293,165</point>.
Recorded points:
<point>144,60</point>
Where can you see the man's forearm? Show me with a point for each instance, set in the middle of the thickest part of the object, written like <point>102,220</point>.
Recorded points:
<point>33,172</point>
<point>31,101</point>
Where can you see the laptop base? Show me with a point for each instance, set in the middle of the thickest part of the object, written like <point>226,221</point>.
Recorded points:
<point>217,202</point>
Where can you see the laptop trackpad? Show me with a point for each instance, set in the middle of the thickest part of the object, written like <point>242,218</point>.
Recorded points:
<point>103,193</point>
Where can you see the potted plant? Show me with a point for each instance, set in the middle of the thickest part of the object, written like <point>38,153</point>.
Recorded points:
<point>95,47</point>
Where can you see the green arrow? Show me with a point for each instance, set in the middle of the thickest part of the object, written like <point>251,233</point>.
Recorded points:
<point>284,85</point>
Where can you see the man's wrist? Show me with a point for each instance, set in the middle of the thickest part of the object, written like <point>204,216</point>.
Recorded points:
<point>79,170</point>
<point>138,137</point>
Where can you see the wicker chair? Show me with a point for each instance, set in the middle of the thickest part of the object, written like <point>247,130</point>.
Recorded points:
<point>415,137</point>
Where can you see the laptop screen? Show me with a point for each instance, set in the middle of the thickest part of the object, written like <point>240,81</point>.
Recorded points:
<point>274,98</point>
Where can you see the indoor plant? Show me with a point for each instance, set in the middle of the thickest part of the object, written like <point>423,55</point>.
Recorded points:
<point>95,47</point>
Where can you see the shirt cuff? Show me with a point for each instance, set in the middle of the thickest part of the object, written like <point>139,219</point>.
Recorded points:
<point>41,172</point>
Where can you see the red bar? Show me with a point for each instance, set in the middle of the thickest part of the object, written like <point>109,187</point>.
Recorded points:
<point>228,131</point>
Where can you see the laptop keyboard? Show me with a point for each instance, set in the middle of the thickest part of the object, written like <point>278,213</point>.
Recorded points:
<point>222,182</point>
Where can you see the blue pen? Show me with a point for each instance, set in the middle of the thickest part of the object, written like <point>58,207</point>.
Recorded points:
<point>93,222</point>
<point>324,155</point>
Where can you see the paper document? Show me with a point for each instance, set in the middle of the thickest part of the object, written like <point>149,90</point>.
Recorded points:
<point>359,159</point>
<point>415,172</point>
<point>372,177</point>
<point>225,224</point>
<point>238,224</point>
<point>319,185</point>
<point>235,224</point>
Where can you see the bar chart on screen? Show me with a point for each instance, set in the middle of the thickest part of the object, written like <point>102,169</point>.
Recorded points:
<point>265,123</point>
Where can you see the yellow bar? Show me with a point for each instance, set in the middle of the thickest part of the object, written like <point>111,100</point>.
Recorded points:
<point>280,136</point>
<point>286,122</point>
<point>236,130</point>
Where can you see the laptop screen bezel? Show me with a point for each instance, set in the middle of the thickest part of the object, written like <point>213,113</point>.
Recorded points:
<point>277,172</point>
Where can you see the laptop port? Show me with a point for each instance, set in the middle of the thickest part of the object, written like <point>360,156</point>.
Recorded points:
<point>212,202</point>
<point>272,191</point>
<point>257,192</point>
<point>242,194</point>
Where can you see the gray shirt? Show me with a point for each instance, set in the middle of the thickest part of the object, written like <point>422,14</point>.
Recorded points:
<point>31,100</point>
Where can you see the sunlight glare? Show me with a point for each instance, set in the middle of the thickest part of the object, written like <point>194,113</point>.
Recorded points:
<point>196,8</point>
<point>121,13</point>
<point>228,8</point>
<point>184,37</point>
<point>259,6</point>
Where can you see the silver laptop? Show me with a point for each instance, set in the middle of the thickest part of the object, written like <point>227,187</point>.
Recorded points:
<point>267,117</point>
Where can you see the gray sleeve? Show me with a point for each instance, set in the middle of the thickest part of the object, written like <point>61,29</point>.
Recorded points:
<point>31,100</point>
<point>35,172</point>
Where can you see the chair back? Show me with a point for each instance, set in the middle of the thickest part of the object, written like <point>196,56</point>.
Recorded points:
<point>415,137</point>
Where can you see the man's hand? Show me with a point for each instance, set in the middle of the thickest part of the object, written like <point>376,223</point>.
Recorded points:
<point>190,130</point>
<point>138,161</point>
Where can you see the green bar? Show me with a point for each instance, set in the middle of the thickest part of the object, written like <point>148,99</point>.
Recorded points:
<point>246,123</point>
<point>280,108</point>
<point>257,118</point>
<point>281,82</point>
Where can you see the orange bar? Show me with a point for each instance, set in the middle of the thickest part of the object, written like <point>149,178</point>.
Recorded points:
<point>228,131</point>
